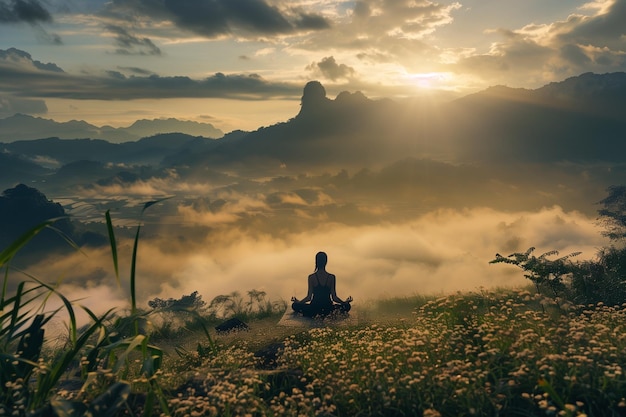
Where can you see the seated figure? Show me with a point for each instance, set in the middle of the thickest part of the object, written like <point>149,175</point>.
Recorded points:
<point>321,299</point>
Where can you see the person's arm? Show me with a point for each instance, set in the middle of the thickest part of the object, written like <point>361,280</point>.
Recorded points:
<point>333,292</point>
<point>309,293</point>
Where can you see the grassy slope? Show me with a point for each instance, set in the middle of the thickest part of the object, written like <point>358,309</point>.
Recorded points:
<point>485,353</point>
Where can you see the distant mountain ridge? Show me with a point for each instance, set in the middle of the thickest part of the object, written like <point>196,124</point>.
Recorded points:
<point>146,151</point>
<point>593,93</point>
<point>25,127</point>
<point>581,119</point>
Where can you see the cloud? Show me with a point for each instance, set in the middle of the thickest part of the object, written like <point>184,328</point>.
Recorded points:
<point>153,187</point>
<point>227,209</point>
<point>330,69</point>
<point>10,105</point>
<point>46,37</point>
<point>217,18</point>
<point>24,76</point>
<point>441,251</point>
<point>29,11</point>
<point>136,70</point>
<point>18,60</point>
<point>375,46</point>
<point>132,45</point>
<point>405,18</point>
<point>397,30</point>
<point>593,42</point>
<point>415,227</point>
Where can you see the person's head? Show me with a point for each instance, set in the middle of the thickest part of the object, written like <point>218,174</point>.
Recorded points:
<point>320,260</point>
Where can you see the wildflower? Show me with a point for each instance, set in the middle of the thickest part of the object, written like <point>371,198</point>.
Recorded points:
<point>431,412</point>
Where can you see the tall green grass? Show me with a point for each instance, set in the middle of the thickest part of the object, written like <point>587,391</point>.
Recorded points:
<point>30,379</point>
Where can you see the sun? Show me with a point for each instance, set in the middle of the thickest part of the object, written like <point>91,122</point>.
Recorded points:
<point>430,80</point>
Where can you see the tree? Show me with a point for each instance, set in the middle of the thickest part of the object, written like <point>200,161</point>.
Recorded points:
<point>189,302</point>
<point>613,214</point>
<point>543,272</point>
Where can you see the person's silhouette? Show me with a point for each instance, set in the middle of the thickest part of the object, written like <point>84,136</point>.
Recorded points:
<point>321,299</point>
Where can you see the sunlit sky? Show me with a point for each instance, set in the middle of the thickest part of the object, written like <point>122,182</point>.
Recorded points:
<point>242,64</point>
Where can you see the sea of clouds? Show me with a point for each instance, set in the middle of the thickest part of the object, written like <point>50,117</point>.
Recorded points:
<point>436,252</point>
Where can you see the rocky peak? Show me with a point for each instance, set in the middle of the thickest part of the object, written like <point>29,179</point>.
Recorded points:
<point>314,100</point>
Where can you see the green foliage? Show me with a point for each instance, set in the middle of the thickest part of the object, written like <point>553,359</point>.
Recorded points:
<point>30,379</point>
<point>602,280</point>
<point>189,306</point>
<point>613,214</point>
<point>192,301</point>
<point>544,273</point>
<point>234,305</point>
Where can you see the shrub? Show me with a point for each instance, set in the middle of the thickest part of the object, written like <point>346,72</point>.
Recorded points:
<point>602,280</point>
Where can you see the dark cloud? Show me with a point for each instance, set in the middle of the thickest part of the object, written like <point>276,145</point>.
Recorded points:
<point>11,105</point>
<point>330,69</point>
<point>215,18</point>
<point>18,58</point>
<point>252,15</point>
<point>132,45</point>
<point>311,21</point>
<point>116,74</point>
<point>575,55</point>
<point>32,12</point>
<point>46,37</point>
<point>29,11</point>
<point>603,30</point>
<point>23,76</point>
<point>136,70</point>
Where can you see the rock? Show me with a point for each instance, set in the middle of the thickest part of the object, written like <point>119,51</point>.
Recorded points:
<point>268,355</point>
<point>231,325</point>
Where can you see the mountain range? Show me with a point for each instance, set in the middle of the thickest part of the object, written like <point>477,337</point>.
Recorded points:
<point>25,127</point>
<point>346,160</point>
<point>580,120</point>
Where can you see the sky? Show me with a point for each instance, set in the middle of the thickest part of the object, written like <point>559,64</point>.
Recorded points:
<point>242,64</point>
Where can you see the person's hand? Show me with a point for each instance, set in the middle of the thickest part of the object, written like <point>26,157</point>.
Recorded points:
<point>349,299</point>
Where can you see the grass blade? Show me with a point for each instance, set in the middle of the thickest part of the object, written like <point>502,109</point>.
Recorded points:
<point>18,244</point>
<point>133,267</point>
<point>107,215</point>
<point>68,307</point>
<point>151,203</point>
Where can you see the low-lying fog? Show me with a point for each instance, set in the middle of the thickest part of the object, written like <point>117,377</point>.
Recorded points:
<point>216,240</point>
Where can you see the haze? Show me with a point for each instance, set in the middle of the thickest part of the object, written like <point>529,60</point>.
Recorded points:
<point>410,140</point>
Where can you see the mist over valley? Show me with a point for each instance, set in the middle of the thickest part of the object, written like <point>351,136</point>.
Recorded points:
<point>405,197</point>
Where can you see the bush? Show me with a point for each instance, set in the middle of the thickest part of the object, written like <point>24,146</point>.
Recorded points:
<point>602,280</point>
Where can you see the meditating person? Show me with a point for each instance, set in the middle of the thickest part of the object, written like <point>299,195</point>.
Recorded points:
<point>321,299</point>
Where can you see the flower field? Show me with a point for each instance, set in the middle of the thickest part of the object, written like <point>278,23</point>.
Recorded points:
<point>488,353</point>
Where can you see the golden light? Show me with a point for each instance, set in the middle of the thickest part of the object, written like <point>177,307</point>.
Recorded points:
<point>431,80</point>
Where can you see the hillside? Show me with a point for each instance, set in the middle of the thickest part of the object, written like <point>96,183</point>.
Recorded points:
<point>469,147</point>
<point>567,121</point>
<point>24,127</point>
